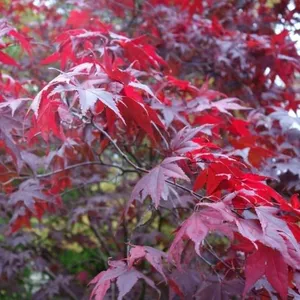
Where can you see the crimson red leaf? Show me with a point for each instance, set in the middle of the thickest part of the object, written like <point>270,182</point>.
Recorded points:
<point>4,58</point>
<point>269,262</point>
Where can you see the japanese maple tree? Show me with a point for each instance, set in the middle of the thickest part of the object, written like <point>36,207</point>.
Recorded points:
<point>149,149</point>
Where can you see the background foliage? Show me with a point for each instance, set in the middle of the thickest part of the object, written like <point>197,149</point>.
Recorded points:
<point>151,147</point>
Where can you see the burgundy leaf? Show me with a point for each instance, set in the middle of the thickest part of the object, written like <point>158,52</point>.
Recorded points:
<point>153,183</point>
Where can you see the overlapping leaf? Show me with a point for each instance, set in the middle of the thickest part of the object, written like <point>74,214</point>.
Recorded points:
<point>153,184</point>
<point>153,256</point>
<point>125,277</point>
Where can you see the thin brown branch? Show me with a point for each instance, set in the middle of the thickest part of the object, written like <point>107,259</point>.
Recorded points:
<point>100,239</point>
<point>82,164</point>
<point>113,142</point>
<point>126,158</point>
<point>86,163</point>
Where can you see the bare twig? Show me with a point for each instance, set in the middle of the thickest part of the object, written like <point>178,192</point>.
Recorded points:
<point>99,238</point>
<point>82,164</point>
<point>85,163</point>
<point>124,156</point>
<point>131,163</point>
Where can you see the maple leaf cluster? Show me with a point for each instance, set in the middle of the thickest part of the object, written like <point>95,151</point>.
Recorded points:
<point>150,149</point>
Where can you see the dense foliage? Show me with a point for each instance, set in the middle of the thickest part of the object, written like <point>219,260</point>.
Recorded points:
<point>149,149</point>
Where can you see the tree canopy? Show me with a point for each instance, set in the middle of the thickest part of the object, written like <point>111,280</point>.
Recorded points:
<point>149,149</point>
